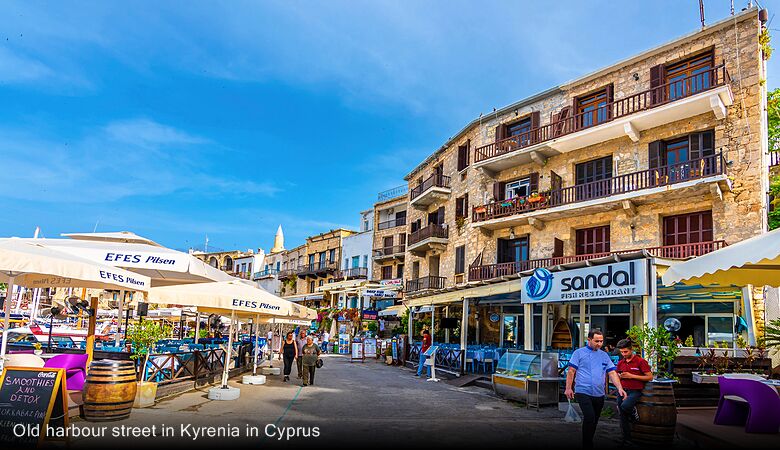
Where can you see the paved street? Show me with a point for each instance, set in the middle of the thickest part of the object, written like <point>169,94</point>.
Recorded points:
<point>361,403</point>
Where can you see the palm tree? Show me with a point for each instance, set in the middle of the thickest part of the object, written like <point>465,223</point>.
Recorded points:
<point>772,335</point>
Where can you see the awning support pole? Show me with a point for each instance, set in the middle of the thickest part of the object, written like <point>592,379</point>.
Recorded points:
<point>229,350</point>
<point>118,335</point>
<point>583,318</point>
<point>464,334</point>
<point>747,308</point>
<point>528,322</point>
<point>545,307</point>
<point>6,318</point>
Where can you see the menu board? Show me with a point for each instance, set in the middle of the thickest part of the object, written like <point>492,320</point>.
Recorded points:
<point>357,352</point>
<point>344,340</point>
<point>35,398</point>
<point>369,348</point>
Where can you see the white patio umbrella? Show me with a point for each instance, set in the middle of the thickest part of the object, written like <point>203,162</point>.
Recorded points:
<point>29,264</point>
<point>163,265</point>
<point>754,261</point>
<point>231,297</point>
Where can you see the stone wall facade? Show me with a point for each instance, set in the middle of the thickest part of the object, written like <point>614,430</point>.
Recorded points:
<point>381,215</point>
<point>740,136</point>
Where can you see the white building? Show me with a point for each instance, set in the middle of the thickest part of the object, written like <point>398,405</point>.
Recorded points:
<point>245,266</point>
<point>267,275</point>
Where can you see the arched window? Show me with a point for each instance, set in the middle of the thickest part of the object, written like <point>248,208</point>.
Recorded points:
<point>213,262</point>
<point>228,263</point>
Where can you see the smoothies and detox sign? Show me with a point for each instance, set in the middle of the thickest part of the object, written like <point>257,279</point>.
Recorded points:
<point>623,279</point>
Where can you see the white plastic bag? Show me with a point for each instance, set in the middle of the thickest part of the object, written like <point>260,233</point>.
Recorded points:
<point>572,416</point>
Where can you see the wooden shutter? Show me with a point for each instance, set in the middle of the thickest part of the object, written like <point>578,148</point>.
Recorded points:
<point>536,120</point>
<point>500,132</point>
<point>463,157</point>
<point>610,90</point>
<point>533,182</point>
<point>460,259</point>
<point>694,146</point>
<point>657,80</point>
<point>459,207</point>
<point>557,248</point>
<point>440,216</point>
<point>466,205</point>
<point>499,187</point>
<point>654,154</point>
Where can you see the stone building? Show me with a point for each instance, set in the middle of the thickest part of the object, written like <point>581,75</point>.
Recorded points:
<point>311,265</point>
<point>664,152</point>
<point>389,250</point>
<point>224,260</point>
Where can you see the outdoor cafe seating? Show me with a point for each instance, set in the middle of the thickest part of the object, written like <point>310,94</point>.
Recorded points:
<point>748,400</point>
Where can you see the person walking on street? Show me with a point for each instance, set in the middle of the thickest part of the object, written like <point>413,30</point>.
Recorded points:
<point>310,354</point>
<point>634,372</point>
<point>325,340</point>
<point>588,368</point>
<point>300,341</point>
<point>289,352</point>
<point>426,344</point>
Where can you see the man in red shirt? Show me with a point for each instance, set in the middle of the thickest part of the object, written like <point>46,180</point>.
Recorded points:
<point>634,372</point>
<point>426,344</point>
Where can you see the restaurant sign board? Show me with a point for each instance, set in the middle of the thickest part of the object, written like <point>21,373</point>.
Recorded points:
<point>616,280</point>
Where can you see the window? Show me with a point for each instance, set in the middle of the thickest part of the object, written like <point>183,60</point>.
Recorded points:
<point>346,263</point>
<point>321,282</point>
<point>322,259</point>
<point>365,261</point>
<point>460,259</point>
<point>388,245</point>
<point>463,156</point>
<point>311,259</point>
<point>311,287</point>
<point>512,250</point>
<point>522,130</point>
<point>462,206</point>
<point>689,76</point>
<point>399,271</point>
<point>387,272</point>
<point>684,157</point>
<point>365,224</point>
<point>688,228</point>
<point>592,108</point>
<point>400,218</point>
<point>588,175</point>
<point>518,188</point>
<point>332,255</point>
<point>592,240</point>
<point>355,262</point>
<point>278,266</point>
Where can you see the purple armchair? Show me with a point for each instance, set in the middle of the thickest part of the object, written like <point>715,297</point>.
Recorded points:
<point>748,402</point>
<point>75,366</point>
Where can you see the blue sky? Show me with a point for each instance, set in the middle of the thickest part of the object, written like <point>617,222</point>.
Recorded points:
<point>181,119</point>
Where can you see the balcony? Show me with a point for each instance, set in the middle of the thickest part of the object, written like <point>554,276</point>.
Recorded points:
<point>699,177</point>
<point>432,237</point>
<point>267,273</point>
<point>386,225</point>
<point>392,193</point>
<point>704,92</point>
<point>242,275</point>
<point>425,284</point>
<point>352,274</point>
<point>432,189</point>
<point>287,273</point>
<point>683,251</point>
<point>321,268</point>
<point>385,253</point>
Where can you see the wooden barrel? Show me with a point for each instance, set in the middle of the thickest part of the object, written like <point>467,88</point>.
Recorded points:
<point>109,390</point>
<point>657,414</point>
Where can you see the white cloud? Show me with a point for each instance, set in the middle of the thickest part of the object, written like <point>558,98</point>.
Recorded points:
<point>130,158</point>
<point>15,68</point>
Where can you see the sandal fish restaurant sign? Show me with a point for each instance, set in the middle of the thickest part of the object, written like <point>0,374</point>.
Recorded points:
<point>622,279</point>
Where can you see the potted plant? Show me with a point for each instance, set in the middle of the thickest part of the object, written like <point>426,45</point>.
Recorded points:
<point>143,336</point>
<point>658,347</point>
<point>460,222</point>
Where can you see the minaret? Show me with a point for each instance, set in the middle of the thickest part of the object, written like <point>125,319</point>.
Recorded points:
<point>278,241</point>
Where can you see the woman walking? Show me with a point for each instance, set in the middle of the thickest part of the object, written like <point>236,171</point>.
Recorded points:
<point>289,351</point>
<point>310,354</point>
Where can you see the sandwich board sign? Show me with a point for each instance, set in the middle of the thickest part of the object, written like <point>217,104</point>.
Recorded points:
<point>33,402</point>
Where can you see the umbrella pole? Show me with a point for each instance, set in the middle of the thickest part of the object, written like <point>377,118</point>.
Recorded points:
<point>119,317</point>
<point>197,326</point>
<point>229,351</point>
<point>7,317</point>
<point>254,326</point>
